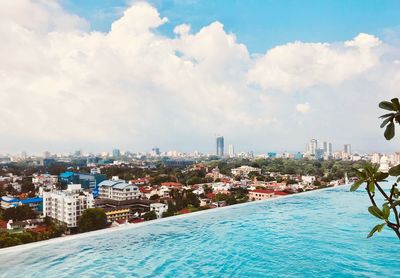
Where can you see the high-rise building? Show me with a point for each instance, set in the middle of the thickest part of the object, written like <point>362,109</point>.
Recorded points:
<point>312,146</point>
<point>155,151</point>
<point>220,145</point>
<point>231,150</point>
<point>24,155</point>
<point>325,147</point>
<point>116,153</point>
<point>347,149</point>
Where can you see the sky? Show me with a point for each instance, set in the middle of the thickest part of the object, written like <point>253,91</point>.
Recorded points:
<point>267,75</point>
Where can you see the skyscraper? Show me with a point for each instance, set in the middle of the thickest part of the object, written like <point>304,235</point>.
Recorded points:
<point>325,147</point>
<point>155,151</point>
<point>220,145</point>
<point>312,146</point>
<point>347,148</point>
<point>231,150</point>
<point>116,153</point>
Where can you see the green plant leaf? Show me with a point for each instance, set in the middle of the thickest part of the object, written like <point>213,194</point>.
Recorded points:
<point>360,174</point>
<point>375,211</point>
<point>371,186</point>
<point>377,228</point>
<point>389,132</point>
<point>387,105</point>
<point>369,168</point>
<point>385,211</point>
<point>385,122</point>
<point>396,103</point>
<point>380,176</point>
<point>395,171</point>
<point>395,204</point>
<point>387,115</point>
<point>356,185</point>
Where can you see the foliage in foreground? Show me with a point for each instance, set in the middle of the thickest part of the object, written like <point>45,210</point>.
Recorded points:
<point>370,175</point>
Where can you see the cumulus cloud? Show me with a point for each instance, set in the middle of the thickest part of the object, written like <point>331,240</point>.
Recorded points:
<point>64,87</point>
<point>299,65</point>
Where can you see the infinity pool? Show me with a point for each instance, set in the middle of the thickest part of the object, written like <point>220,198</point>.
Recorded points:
<point>317,234</point>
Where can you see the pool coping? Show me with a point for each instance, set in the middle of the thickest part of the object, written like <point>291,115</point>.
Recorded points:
<point>27,246</point>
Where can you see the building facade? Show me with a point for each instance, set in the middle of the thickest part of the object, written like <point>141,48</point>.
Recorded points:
<point>118,190</point>
<point>260,194</point>
<point>66,206</point>
<point>220,146</point>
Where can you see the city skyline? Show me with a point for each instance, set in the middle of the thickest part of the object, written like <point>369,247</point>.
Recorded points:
<point>77,84</point>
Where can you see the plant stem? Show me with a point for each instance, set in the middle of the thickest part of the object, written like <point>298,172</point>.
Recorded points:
<point>396,226</point>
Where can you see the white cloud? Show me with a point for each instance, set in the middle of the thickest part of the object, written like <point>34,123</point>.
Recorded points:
<point>64,87</point>
<point>182,29</point>
<point>296,66</point>
<point>303,107</point>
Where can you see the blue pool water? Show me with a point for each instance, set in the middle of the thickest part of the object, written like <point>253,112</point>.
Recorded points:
<point>318,234</point>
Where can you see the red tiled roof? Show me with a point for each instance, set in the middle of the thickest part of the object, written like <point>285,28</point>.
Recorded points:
<point>280,193</point>
<point>210,195</point>
<point>138,180</point>
<point>262,191</point>
<point>137,220</point>
<point>172,184</point>
<point>3,224</point>
<point>38,229</point>
<point>144,190</point>
<point>183,211</point>
<point>120,221</point>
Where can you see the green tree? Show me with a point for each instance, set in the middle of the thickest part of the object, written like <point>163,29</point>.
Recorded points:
<point>19,213</point>
<point>27,185</point>
<point>150,215</point>
<point>193,199</point>
<point>154,197</point>
<point>370,175</point>
<point>92,219</point>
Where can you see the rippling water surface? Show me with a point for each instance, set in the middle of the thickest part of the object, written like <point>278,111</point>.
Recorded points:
<point>320,234</point>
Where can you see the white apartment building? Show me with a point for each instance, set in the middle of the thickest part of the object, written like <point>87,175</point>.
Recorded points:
<point>159,208</point>
<point>67,206</point>
<point>118,190</point>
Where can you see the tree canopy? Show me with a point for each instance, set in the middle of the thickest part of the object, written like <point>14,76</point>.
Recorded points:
<point>92,219</point>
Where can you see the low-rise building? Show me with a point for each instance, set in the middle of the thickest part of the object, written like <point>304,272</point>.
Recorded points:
<point>119,190</point>
<point>9,202</point>
<point>159,208</point>
<point>86,180</point>
<point>66,206</point>
<point>308,179</point>
<point>245,170</point>
<point>46,181</point>
<point>34,203</point>
<point>260,194</point>
<point>123,210</point>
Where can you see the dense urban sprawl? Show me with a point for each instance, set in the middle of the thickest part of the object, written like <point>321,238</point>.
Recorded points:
<point>57,195</point>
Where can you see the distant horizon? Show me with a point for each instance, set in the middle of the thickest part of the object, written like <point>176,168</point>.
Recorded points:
<point>109,151</point>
